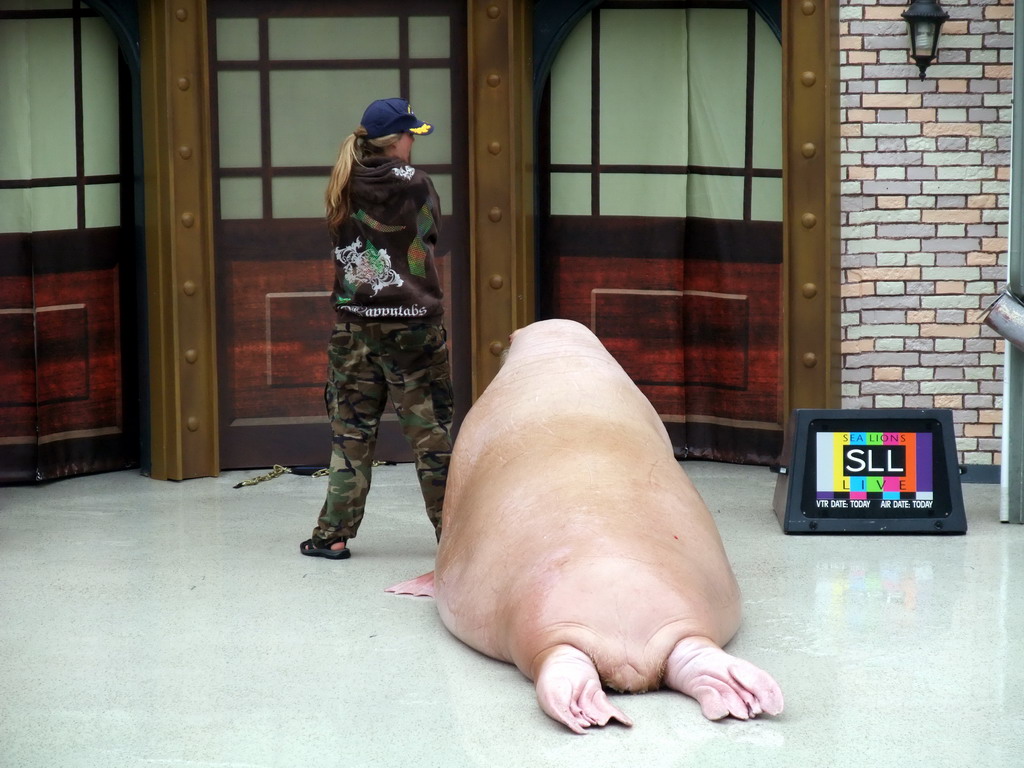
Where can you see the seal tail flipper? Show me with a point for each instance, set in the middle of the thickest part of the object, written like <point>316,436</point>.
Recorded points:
<point>722,684</point>
<point>569,690</point>
<point>421,586</point>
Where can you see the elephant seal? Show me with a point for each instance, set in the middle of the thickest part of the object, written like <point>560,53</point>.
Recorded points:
<point>575,547</point>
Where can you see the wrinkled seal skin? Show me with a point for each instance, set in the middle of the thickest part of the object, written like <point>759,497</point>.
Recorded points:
<point>575,546</point>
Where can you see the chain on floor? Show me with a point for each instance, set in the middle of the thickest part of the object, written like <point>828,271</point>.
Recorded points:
<point>279,470</point>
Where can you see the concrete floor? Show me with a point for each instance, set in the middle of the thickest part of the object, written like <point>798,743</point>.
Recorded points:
<point>147,623</point>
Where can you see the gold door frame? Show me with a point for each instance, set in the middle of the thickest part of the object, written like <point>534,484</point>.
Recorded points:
<point>176,136</point>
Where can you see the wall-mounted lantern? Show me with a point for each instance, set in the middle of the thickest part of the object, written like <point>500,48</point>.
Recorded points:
<point>924,17</point>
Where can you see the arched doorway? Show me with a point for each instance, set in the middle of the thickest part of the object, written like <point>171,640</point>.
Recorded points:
<point>69,390</point>
<point>661,200</point>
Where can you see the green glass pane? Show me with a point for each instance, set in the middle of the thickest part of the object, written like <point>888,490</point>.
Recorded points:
<point>571,99</point>
<point>334,38</point>
<point>102,205</point>
<point>430,93</point>
<point>100,102</point>
<point>53,208</point>
<point>443,185</point>
<point>37,103</point>
<point>307,127</point>
<point>638,194</point>
<point>643,98</point>
<point>15,117</point>
<point>238,119</point>
<point>35,5</point>
<point>298,198</point>
<point>715,197</point>
<point>238,39</point>
<point>766,200</point>
<point>15,213</point>
<point>767,99</point>
<point>570,194</point>
<point>429,37</point>
<point>241,199</point>
<point>718,87</point>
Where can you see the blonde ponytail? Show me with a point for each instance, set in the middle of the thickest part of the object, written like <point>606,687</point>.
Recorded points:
<point>354,149</point>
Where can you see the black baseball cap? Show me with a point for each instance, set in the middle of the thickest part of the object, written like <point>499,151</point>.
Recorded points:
<point>387,116</point>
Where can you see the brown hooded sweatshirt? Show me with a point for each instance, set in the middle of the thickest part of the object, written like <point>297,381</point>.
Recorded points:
<point>384,252</point>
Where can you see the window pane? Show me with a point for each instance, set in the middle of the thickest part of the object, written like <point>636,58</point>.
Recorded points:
<point>100,87</point>
<point>715,197</point>
<point>767,99</point>
<point>718,87</point>
<point>238,39</point>
<point>311,111</point>
<point>443,185</point>
<point>102,205</point>
<point>637,194</point>
<point>53,208</point>
<point>334,38</point>
<point>643,96</point>
<point>430,94</point>
<point>36,5</point>
<point>241,198</point>
<point>570,194</point>
<point>766,200</point>
<point>428,37</point>
<point>571,99</point>
<point>238,116</point>
<point>299,198</point>
<point>37,103</point>
<point>15,215</point>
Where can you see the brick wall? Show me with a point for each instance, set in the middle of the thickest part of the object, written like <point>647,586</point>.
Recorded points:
<point>925,206</point>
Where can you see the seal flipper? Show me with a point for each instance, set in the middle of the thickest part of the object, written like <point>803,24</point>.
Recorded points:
<point>569,690</point>
<point>421,586</point>
<point>722,684</point>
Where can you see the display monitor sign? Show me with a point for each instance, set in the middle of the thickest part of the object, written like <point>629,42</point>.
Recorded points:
<point>870,466</point>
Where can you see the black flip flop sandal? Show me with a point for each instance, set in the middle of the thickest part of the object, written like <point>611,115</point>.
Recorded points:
<point>307,548</point>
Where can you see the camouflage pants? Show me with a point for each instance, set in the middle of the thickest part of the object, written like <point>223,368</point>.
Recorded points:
<point>366,363</point>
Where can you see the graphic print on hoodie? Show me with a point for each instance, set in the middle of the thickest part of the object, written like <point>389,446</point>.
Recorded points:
<point>383,255</point>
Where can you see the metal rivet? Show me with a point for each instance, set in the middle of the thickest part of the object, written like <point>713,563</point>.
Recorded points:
<point>494,80</point>
<point>191,355</point>
<point>808,8</point>
<point>494,147</point>
<point>496,282</point>
<point>494,11</point>
<point>189,288</point>
<point>181,14</point>
<point>494,214</point>
<point>808,150</point>
<point>183,84</point>
<point>808,79</point>
<point>187,219</point>
<point>809,290</point>
<point>808,220</point>
<point>810,360</point>
<point>496,348</point>
<point>192,423</point>
<point>185,152</point>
